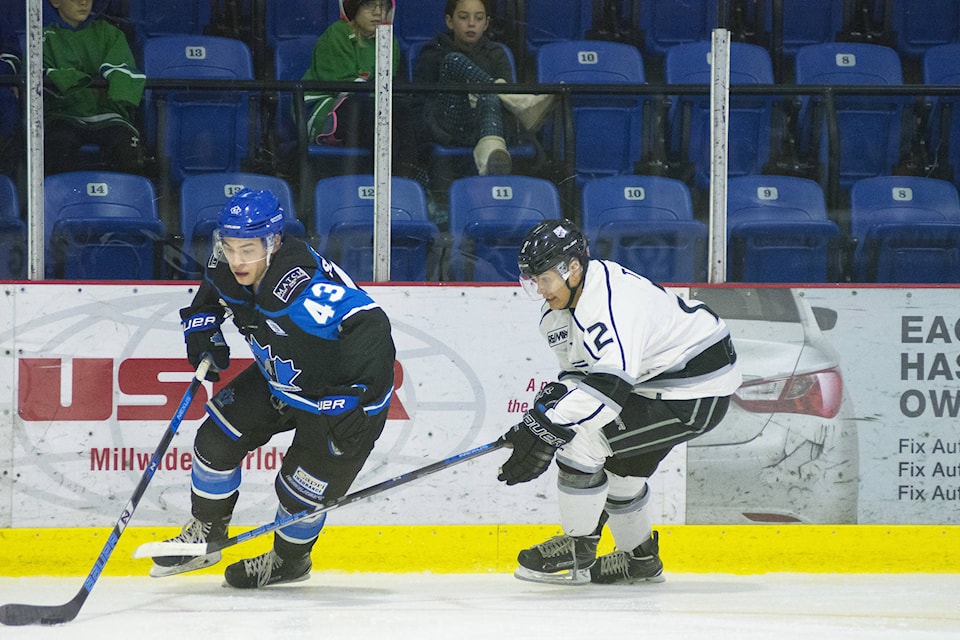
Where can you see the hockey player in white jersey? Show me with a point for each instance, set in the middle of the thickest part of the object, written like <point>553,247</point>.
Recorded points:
<point>641,370</point>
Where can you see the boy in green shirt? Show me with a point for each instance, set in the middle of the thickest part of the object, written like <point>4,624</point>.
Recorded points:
<point>77,49</point>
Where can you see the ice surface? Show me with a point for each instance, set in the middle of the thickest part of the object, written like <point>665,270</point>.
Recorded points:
<point>491,606</point>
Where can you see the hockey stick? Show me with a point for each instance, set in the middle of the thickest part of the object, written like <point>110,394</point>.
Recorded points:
<point>24,614</point>
<point>156,549</point>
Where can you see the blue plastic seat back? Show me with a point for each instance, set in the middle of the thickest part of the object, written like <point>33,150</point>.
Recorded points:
<point>13,232</point>
<point>419,23</point>
<point>749,116</point>
<point>152,19</point>
<point>667,23</point>
<point>923,24</point>
<point>550,21</point>
<point>806,22</point>
<point>778,231</point>
<point>608,128</point>
<point>291,19</point>
<point>205,130</point>
<point>645,223</point>
<point>941,66</point>
<point>101,226</point>
<point>907,230</point>
<point>344,217</point>
<point>203,196</point>
<point>489,216</point>
<point>869,126</point>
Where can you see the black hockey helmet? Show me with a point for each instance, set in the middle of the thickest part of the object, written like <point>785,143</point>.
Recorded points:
<point>550,243</point>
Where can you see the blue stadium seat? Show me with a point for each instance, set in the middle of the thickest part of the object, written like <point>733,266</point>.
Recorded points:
<point>546,21</point>
<point>869,127</point>
<point>151,19</point>
<point>200,131</point>
<point>749,116</point>
<point>12,49</point>
<point>806,22</point>
<point>291,60</point>
<point>607,128</point>
<point>101,225</point>
<point>13,232</point>
<point>203,196</point>
<point>646,224</point>
<point>292,19</point>
<point>489,216</point>
<point>667,23</point>
<point>418,24</point>
<point>907,230</point>
<point>923,24</point>
<point>344,223</point>
<point>941,66</point>
<point>778,231</point>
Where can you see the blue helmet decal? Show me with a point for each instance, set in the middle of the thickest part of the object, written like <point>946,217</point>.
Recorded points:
<point>251,214</point>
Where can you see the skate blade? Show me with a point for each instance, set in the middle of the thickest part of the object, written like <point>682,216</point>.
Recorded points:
<point>200,562</point>
<point>302,578</point>
<point>569,578</point>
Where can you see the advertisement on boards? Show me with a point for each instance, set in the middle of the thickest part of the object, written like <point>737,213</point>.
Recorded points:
<point>846,413</point>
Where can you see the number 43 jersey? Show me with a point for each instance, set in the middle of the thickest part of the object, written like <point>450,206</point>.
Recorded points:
<point>322,343</point>
<point>630,335</point>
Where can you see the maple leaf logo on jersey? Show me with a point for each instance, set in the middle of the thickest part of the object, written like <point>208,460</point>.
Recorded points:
<point>281,373</point>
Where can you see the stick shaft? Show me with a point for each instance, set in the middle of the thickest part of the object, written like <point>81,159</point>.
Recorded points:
<point>168,549</point>
<point>24,614</point>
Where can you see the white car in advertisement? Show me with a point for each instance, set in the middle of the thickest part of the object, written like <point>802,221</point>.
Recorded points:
<point>787,450</point>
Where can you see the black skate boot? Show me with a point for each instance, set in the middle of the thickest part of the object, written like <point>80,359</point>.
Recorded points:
<point>194,531</point>
<point>560,560</point>
<point>621,567</point>
<point>267,569</point>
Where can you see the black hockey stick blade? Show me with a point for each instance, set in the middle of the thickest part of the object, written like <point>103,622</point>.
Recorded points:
<point>24,614</point>
<point>158,549</point>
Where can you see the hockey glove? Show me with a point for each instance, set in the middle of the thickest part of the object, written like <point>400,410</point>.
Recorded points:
<point>534,442</point>
<point>550,395</point>
<point>201,332</point>
<point>347,432</point>
<point>247,318</point>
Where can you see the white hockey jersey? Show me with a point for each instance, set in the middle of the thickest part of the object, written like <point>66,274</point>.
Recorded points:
<point>628,333</point>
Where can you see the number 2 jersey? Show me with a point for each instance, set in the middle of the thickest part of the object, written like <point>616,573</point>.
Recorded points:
<point>628,335</point>
<point>322,343</point>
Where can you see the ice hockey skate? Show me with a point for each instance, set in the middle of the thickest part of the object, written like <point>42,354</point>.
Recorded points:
<point>194,531</point>
<point>560,560</point>
<point>622,567</point>
<point>267,569</point>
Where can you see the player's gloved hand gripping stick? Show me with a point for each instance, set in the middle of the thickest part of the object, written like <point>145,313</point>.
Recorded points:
<point>154,549</point>
<point>24,614</point>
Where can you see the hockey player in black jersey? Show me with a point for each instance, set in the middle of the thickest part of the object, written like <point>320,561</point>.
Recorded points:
<point>324,359</point>
<point>641,370</point>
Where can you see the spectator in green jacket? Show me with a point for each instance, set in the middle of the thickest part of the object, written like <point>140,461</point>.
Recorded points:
<point>9,100</point>
<point>347,52</point>
<point>79,52</point>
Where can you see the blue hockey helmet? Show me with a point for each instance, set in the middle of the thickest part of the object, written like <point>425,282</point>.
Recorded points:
<point>251,214</point>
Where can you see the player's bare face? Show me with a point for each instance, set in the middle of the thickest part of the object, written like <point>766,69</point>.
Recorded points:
<point>247,258</point>
<point>73,12</point>
<point>553,287</point>
<point>468,23</point>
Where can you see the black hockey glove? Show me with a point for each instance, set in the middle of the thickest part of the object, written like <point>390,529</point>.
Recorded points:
<point>534,442</point>
<point>201,332</point>
<point>347,432</point>
<point>550,395</point>
<point>247,318</point>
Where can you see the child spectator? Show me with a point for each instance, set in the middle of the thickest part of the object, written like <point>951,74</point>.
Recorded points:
<point>466,55</point>
<point>79,52</point>
<point>346,51</point>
